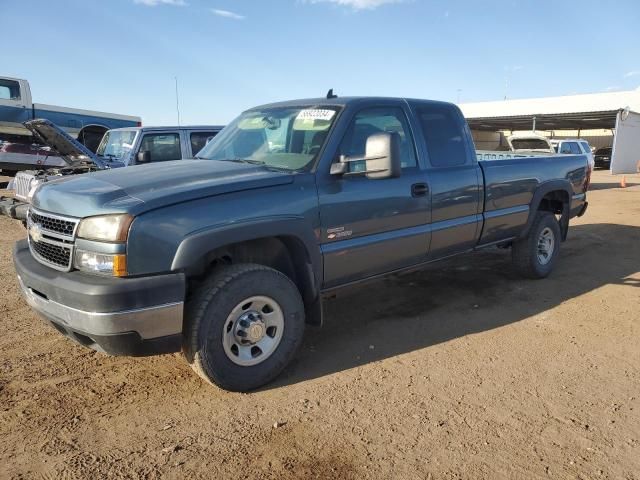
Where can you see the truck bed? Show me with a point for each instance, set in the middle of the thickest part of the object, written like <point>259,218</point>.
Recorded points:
<point>511,183</point>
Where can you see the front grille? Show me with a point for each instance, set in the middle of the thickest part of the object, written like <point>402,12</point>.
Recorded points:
<point>50,253</point>
<point>51,238</point>
<point>54,224</point>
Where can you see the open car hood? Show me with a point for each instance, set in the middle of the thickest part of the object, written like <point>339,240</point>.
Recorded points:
<point>68,148</point>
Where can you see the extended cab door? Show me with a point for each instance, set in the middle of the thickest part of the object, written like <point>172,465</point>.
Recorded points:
<point>454,178</point>
<point>373,226</point>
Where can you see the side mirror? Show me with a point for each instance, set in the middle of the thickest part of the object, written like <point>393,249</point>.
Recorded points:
<point>382,158</point>
<point>143,157</point>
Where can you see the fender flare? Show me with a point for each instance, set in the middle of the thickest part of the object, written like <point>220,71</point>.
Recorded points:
<point>198,244</point>
<point>542,190</point>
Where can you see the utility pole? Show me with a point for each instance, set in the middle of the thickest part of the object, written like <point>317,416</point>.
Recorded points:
<point>177,100</point>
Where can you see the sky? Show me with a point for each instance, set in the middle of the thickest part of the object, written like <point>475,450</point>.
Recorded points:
<point>123,56</point>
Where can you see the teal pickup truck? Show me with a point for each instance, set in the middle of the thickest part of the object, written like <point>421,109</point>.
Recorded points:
<point>227,256</point>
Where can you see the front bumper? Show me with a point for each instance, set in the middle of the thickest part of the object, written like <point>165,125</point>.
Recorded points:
<point>118,316</point>
<point>13,208</point>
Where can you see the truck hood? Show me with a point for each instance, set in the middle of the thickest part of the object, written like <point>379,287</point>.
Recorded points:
<point>69,149</point>
<point>142,188</point>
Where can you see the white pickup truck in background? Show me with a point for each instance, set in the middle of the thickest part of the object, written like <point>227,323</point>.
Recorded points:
<point>17,149</point>
<point>519,145</point>
<point>120,147</point>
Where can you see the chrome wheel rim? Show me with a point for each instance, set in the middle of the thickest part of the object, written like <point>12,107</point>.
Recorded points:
<point>546,246</point>
<point>253,330</point>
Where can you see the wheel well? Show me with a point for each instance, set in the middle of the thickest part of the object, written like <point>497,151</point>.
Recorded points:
<point>554,202</point>
<point>558,203</point>
<point>286,254</point>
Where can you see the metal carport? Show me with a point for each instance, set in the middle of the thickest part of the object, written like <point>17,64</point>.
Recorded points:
<point>612,110</point>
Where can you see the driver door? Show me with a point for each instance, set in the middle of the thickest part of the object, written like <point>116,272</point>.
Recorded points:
<point>373,226</point>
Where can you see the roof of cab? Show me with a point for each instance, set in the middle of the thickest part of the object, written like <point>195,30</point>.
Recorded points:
<point>173,127</point>
<point>344,101</point>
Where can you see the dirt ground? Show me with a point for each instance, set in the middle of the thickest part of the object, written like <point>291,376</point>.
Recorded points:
<point>460,371</point>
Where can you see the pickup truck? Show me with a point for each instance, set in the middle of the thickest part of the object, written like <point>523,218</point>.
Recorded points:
<point>121,147</point>
<point>227,257</point>
<point>16,107</point>
<point>525,144</point>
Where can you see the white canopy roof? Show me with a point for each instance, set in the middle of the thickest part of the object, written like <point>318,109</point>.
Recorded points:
<point>595,110</point>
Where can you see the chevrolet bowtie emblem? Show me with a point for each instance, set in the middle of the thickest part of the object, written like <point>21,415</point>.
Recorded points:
<point>35,232</point>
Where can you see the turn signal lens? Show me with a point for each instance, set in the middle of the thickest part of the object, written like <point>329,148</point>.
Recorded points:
<point>119,265</point>
<point>101,263</point>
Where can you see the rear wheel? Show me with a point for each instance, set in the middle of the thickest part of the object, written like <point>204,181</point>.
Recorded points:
<point>244,325</point>
<point>535,255</point>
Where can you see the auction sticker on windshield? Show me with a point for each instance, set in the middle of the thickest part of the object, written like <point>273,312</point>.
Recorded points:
<point>315,114</point>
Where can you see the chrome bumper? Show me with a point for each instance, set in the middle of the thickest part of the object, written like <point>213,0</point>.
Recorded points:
<point>151,322</point>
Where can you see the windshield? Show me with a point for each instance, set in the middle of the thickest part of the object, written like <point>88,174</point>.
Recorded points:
<point>288,138</point>
<point>529,144</point>
<point>117,143</point>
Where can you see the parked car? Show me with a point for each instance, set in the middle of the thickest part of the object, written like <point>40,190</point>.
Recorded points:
<point>574,146</point>
<point>121,147</point>
<point>602,157</point>
<point>16,107</point>
<point>226,257</point>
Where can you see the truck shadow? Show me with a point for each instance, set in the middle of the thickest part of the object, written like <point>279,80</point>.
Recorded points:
<point>607,186</point>
<point>465,295</point>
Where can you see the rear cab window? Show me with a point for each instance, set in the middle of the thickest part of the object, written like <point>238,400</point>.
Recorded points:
<point>199,139</point>
<point>529,144</point>
<point>9,90</point>
<point>575,148</point>
<point>444,136</point>
<point>570,148</point>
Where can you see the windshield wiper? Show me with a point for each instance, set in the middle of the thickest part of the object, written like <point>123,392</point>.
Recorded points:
<point>257,162</point>
<point>245,160</point>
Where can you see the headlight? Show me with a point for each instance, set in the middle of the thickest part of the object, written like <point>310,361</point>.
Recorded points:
<point>106,228</point>
<point>101,263</point>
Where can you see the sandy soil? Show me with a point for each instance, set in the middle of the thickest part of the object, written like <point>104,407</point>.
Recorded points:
<point>460,371</point>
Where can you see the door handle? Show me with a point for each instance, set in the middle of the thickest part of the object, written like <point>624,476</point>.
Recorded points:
<point>419,189</point>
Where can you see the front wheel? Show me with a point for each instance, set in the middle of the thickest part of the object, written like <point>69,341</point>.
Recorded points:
<point>535,255</point>
<point>244,325</point>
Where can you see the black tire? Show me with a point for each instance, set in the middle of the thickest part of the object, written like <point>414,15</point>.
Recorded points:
<point>524,252</point>
<point>206,315</point>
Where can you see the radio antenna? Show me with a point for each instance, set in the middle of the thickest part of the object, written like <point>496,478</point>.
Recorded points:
<point>177,100</point>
